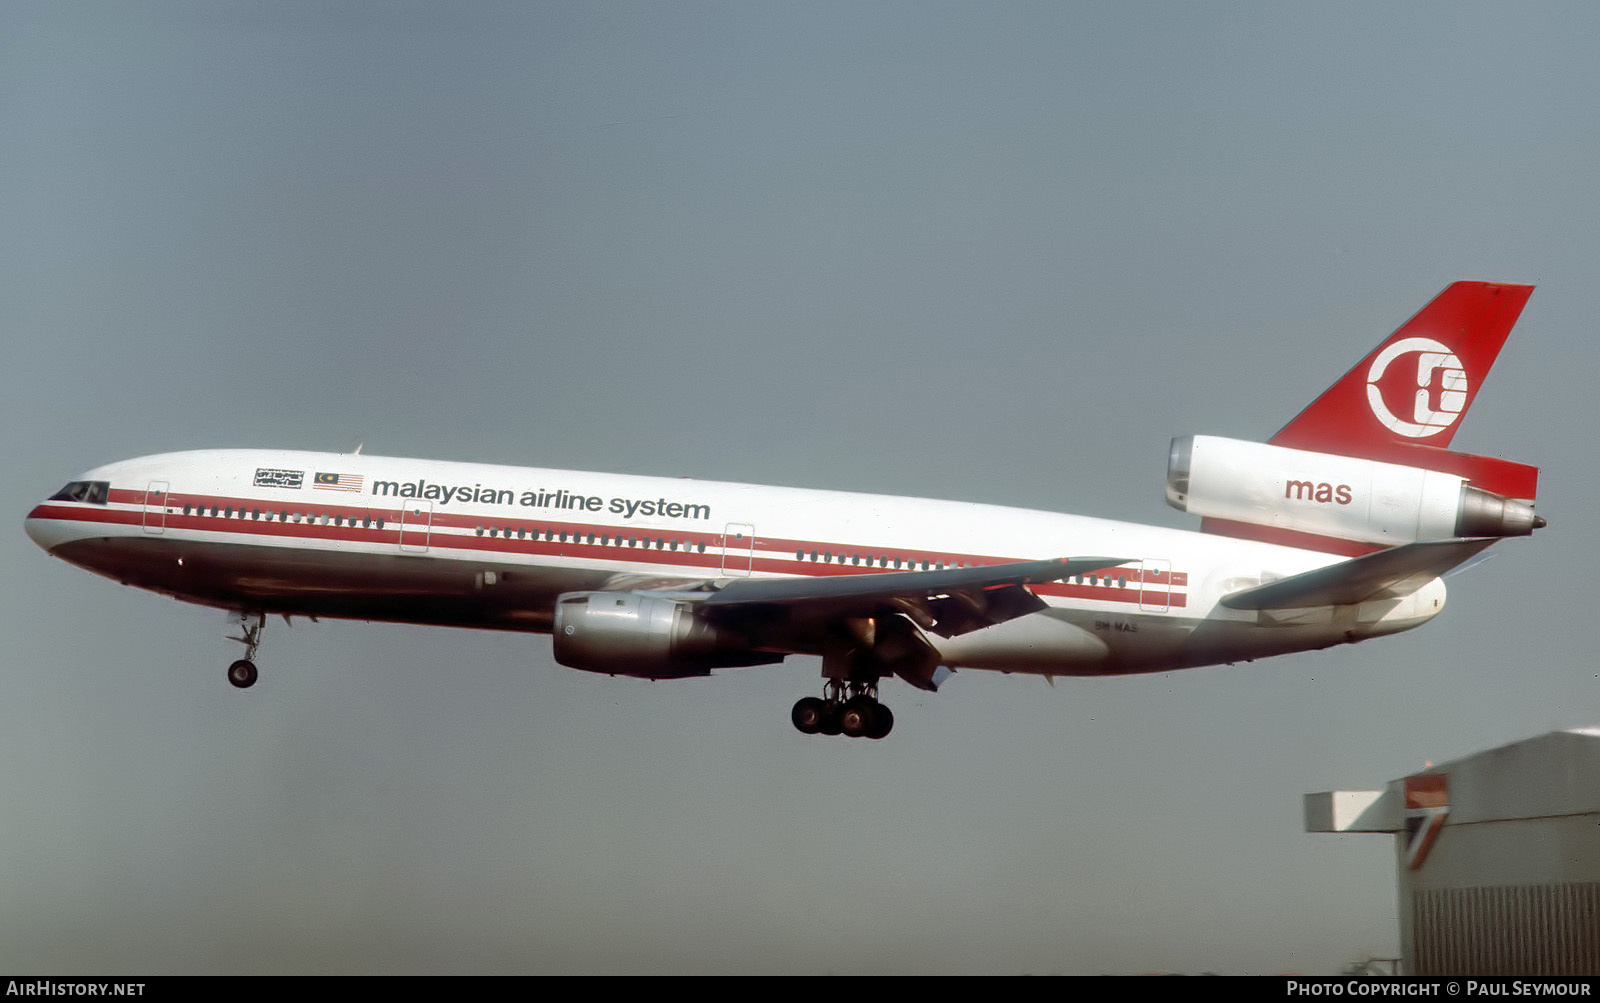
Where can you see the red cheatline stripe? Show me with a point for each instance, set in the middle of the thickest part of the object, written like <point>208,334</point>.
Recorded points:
<point>709,562</point>
<point>1287,537</point>
<point>451,520</point>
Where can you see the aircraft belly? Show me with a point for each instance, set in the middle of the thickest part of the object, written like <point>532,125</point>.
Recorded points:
<point>1048,642</point>
<point>397,588</point>
<point>1082,642</point>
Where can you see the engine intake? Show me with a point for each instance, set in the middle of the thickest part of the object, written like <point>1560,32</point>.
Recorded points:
<point>1339,496</point>
<point>653,637</point>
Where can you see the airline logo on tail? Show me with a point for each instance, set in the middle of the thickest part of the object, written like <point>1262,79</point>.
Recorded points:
<point>1400,405</point>
<point>1438,402</point>
<point>1404,401</point>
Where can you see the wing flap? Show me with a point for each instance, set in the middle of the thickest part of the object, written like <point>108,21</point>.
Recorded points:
<point>1386,574</point>
<point>949,602</point>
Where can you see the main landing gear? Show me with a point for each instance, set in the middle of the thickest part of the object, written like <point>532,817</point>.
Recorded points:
<point>243,672</point>
<point>845,709</point>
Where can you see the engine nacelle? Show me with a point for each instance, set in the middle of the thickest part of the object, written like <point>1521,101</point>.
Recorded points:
<point>1338,496</point>
<point>653,637</point>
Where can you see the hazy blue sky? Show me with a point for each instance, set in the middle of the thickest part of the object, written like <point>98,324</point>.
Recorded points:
<point>998,252</point>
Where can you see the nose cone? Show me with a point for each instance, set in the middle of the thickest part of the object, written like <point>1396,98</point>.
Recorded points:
<point>45,532</point>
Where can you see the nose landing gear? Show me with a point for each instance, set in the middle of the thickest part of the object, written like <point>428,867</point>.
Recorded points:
<point>242,673</point>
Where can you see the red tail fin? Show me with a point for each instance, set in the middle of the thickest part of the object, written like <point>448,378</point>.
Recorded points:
<point>1404,401</point>
<point>1413,388</point>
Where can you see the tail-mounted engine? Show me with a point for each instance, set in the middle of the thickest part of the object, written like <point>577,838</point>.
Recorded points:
<point>636,634</point>
<point>1338,496</point>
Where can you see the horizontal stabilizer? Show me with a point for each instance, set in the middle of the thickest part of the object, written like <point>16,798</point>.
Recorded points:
<point>1387,574</point>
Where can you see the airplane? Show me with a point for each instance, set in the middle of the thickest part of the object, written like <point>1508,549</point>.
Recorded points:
<point>1335,530</point>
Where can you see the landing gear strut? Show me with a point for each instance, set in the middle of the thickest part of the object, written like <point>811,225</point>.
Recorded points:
<point>847,708</point>
<point>243,672</point>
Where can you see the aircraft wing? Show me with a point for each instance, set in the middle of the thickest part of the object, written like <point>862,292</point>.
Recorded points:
<point>949,602</point>
<point>1385,574</point>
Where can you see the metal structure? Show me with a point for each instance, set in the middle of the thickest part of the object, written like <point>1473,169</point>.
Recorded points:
<point>1497,856</point>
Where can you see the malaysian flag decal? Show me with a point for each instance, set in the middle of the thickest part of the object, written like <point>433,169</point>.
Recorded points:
<point>338,482</point>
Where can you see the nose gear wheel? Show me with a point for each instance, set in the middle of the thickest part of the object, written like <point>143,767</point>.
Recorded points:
<point>242,673</point>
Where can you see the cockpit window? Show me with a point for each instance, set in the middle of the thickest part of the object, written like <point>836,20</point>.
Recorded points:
<point>93,492</point>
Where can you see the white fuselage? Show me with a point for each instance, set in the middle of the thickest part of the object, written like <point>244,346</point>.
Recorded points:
<point>467,544</point>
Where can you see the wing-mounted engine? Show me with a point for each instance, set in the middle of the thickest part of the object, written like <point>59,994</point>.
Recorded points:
<point>1344,497</point>
<point>650,636</point>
